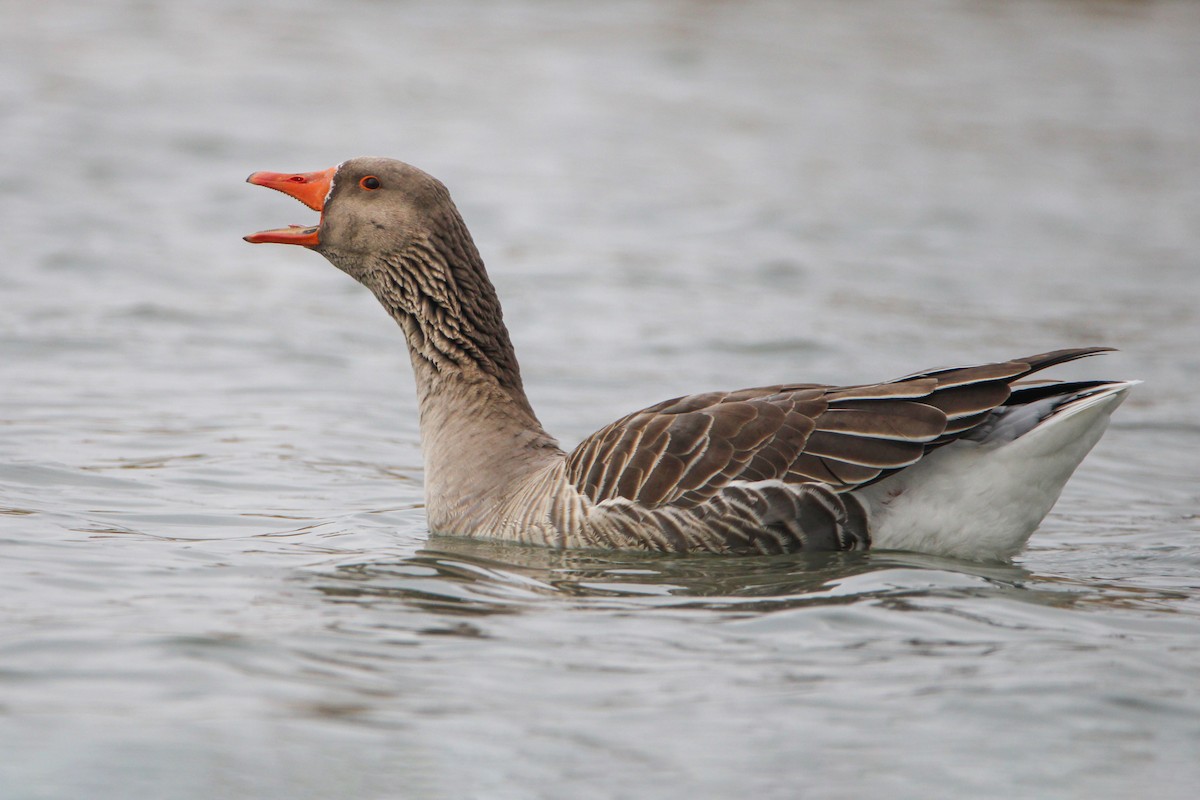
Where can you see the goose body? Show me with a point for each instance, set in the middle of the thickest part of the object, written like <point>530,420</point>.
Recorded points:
<point>962,462</point>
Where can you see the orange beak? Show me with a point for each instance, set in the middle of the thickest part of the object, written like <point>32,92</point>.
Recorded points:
<point>310,188</point>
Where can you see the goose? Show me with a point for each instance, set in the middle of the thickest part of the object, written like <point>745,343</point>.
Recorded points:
<point>959,462</point>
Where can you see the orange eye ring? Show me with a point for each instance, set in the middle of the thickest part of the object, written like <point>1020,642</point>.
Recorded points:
<point>370,183</point>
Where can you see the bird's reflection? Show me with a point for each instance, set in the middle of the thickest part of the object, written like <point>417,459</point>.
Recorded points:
<point>472,577</point>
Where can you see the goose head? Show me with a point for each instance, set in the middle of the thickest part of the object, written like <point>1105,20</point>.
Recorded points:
<point>371,209</point>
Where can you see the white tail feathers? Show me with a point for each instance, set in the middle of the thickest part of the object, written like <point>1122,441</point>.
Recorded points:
<point>981,499</point>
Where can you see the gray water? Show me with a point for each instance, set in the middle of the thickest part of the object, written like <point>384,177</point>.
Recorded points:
<point>217,578</point>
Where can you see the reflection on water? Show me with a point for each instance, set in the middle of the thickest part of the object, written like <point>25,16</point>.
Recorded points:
<point>462,576</point>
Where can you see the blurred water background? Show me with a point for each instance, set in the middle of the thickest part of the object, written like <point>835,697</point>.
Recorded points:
<point>216,576</point>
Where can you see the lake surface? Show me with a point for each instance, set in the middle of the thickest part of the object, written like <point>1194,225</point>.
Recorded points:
<point>217,578</point>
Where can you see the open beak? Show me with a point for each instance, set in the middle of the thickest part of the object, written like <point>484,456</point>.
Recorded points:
<point>310,188</point>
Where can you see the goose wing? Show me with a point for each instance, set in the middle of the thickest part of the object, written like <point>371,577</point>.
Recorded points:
<point>683,451</point>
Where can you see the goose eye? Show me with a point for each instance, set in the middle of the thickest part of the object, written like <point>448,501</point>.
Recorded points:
<point>369,183</point>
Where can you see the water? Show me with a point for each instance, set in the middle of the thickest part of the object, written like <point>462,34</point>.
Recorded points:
<point>217,577</point>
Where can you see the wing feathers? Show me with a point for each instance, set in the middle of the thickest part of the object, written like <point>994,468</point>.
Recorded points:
<point>886,419</point>
<point>966,400</point>
<point>684,451</point>
<point>660,485</point>
<point>849,475</point>
<point>962,376</point>
<point>808,468</point>
<point>917,386</point>
<point>864,450</point>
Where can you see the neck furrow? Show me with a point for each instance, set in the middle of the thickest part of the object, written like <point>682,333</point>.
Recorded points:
<point>452,321</point>
<point>479,433</point>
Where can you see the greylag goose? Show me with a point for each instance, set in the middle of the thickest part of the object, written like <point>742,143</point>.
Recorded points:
<point>962,462</point>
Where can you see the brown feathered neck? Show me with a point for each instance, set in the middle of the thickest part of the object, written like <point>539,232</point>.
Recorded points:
<point>437,288</point>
